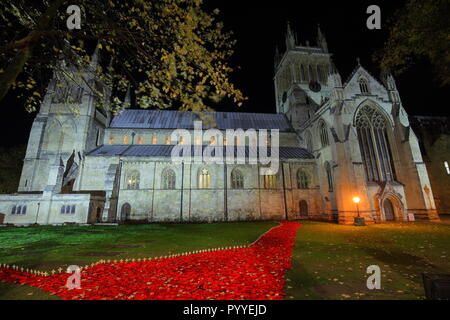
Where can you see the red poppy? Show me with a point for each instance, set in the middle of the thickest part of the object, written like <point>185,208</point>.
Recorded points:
<point>252,273</point>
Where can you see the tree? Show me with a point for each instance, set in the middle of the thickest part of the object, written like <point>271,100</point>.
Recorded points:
<point>11,161</point>
<point>172,52</point>
<point>419,30</point>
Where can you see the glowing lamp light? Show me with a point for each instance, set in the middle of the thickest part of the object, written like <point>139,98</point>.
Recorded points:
<point>356,200</point>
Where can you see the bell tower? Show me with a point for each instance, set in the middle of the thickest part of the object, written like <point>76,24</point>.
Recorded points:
<point>301,77</point>
<point>68,125</point>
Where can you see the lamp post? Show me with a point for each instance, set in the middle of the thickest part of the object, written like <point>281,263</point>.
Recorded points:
<point>358,220</point>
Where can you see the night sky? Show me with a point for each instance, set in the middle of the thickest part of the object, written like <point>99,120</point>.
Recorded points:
<point>260,25</point>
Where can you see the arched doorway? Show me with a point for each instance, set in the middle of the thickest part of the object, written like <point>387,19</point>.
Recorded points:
<point>389,213</point>
<point>125,212</point>
<point>98,216</point>
<point>303,208</point>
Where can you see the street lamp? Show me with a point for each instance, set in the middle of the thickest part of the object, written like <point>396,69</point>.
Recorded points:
<point>358,220</point>
<point>357,200</point>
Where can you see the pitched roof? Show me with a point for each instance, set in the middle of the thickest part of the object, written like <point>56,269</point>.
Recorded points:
<point>165,151</point>
<point>169,119</point>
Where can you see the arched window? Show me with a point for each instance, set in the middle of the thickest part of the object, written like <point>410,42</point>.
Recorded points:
<point>140,139</point>
<point>323,130</point>
<point>374,144</point>
<point>270,181</point>
<point>19,209</point>
<point>13,210</point>
<point>133,178</point>
<point>447,168</point>
<point>329,176</point>
<point>237,179</point>
<point>304,74</point>
<point>154,140</point>
<point>309,143</point>
<point>204,179</point>
<point>24,210</point>
<point>125,140</point>
<point>111,140</point>
<point>168,179</point>
<point>320,74</point>
<point>302,179</point>
<point>312,74</point>
<point>363,86</point>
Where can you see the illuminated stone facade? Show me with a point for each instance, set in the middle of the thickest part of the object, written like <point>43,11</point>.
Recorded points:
<point>337,141</point>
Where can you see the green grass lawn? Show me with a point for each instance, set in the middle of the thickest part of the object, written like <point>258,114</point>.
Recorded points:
<point>330,261</point>
<point>49,247</point>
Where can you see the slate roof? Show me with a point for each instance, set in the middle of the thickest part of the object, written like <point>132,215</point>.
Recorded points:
<point>169,119</point>
<point>165,151</point>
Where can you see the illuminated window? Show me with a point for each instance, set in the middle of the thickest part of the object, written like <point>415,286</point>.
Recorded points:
<point>198,141</point>
<point>329,176</point>
<point>154,140</point>
<point>111,140</point>
<point>224,141</point>
<point>237,179</point>
<point>133,178</point>
<point>140,140</point>
<point>181,140</point>
<point>167,139</point>
<point>204,179</point>
<point>447,168</point>
<point>363,86</point>
<point>373,142</point>
<point>323,130</point>
<point>302,179</point>
<point>212,140</point>
<point>270,181</point>
<point>168,179</point>
<point>236,141</point>
<point>125,140</point>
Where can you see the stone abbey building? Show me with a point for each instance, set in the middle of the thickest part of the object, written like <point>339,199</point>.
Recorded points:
<point>338,140</point>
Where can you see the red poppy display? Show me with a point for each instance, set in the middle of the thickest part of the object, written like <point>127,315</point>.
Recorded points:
<point>252,273</point>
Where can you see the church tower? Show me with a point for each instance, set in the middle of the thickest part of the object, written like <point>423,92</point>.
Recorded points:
<point>301,77</point>
<point>67,126</point>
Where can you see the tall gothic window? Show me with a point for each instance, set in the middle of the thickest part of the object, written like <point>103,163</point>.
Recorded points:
<point>302,179</point>
<point>312,74</point>
<point>237,179</point>
<point>204,179</point>
<point>168,179</point>
<point>374,144</point>
<point>363,86</point>
<point>133,178</point>
<point>329,176</point>
<point>323,130</point>
<point>309,143</point>
<point>303,73</point>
